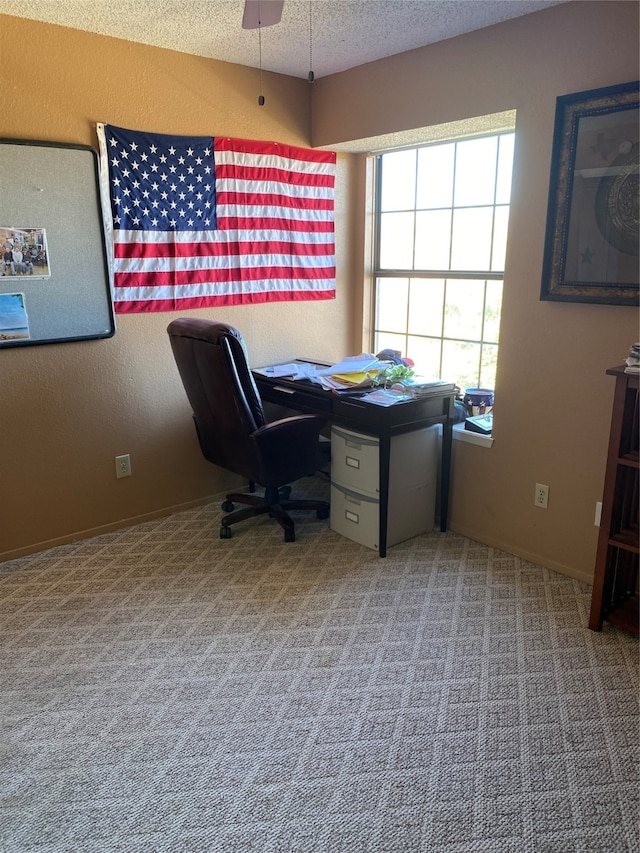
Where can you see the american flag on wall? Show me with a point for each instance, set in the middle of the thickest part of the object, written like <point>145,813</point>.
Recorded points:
<point>200,221</point>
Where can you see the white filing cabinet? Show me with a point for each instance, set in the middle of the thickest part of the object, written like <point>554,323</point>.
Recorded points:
<point>355,485</point>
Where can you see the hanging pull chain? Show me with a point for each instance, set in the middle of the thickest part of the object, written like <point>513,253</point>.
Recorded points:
<point>261,95</point>
<point>311,75</point>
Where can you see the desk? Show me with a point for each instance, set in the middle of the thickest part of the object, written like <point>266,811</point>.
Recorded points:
<point>382,421</point>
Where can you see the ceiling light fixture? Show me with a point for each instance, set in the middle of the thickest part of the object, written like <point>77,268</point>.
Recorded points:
<point>269,12</point>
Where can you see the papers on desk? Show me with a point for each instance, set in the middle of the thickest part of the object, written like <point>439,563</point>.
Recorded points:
<point>347,381</point>
<point>400,392</point>
<point>351,372</point>
<point>353,375</point>
<point>386,397</point>
<point>421,386</point>
<point>292,370</point>
<point>352,364</point>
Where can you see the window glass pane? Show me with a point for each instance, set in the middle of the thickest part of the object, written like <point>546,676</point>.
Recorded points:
<point>475,171</point>
<point>471,244</point>
<point>425,353</point>
<point>444,206</point>
<point>460,362</point>
<point>391,304</point>
<point>505,168</point>
<point>463,314</point>
<point>488,368</point>
<point>426,297</point>
<point>386,340</point>
<point>435,176</point>
<point>501,223</point>
<point>396,241</point>
<point>493,306</point>
<point>398,180</point>
<point>433,235</point>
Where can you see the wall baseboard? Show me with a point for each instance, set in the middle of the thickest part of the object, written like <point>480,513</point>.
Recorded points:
<point>530,557</point>
<point>89,533</point>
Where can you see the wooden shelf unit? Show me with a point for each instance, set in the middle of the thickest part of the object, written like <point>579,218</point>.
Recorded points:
<point>615,583</point>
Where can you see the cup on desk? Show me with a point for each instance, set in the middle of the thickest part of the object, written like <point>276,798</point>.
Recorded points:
<point>478,401</point>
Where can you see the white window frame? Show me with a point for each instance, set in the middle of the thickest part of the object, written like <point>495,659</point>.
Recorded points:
<point>379,273</point>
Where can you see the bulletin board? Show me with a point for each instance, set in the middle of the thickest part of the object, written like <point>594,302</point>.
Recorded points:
<point>54,280</point>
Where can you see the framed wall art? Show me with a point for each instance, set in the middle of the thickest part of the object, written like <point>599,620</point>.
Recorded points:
<point>591,243</point>
<point>54,283</point>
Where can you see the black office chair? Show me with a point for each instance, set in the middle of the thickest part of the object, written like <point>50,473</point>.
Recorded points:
<point>232,429</point>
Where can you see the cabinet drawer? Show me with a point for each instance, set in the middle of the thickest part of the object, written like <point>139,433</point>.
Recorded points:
<point>355,516</point>
<point>296,397</point>
<point>355,461</point>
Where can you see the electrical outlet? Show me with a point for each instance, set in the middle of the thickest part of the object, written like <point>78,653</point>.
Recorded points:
<point>123,466</point>
<point>541,497</point>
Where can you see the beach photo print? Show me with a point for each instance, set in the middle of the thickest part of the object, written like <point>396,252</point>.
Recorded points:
<point>14,323</point>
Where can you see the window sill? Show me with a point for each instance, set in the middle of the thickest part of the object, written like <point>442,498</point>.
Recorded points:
<point>462,434</point>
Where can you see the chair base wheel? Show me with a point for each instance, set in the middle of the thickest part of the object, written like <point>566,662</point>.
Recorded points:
<point>276,502</point>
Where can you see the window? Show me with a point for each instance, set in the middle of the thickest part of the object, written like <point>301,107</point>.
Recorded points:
<point>442,212</point>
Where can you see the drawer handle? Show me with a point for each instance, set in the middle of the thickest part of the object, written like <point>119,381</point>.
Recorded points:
<point>283,390</point>
<point>352,462</point>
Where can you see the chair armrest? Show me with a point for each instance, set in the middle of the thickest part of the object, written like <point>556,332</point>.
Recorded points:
<point>288,449</point>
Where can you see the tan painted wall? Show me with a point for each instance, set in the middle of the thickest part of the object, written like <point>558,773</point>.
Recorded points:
<point>553,398</point>
<point>73,407</point>
<point>67,409</point>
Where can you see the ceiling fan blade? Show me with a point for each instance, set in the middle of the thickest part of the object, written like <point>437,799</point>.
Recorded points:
<point>261,13</point>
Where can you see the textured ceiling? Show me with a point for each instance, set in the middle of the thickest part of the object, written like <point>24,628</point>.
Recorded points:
<point>345,33</point>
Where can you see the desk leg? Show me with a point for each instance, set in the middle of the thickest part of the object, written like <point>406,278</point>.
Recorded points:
<point>445,473</point>
<point>385,457</point>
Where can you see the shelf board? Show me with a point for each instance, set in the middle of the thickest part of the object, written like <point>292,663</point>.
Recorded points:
<point>632,459</point>
<point>627,540</point>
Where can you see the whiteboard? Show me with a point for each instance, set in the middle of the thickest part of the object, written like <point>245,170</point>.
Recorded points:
<point>54,280</point>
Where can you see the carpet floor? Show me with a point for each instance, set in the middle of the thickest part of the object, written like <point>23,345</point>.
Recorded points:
<point>165,691</point>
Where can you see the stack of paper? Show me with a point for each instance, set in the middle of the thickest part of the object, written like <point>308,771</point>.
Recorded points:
<point>351,373</point>
<point>292,370</point>
<point>386,397</point>
<point>422,386</point>
<point>358,364</point>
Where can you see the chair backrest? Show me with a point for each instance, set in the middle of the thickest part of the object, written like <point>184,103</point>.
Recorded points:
<point>213,365</point>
